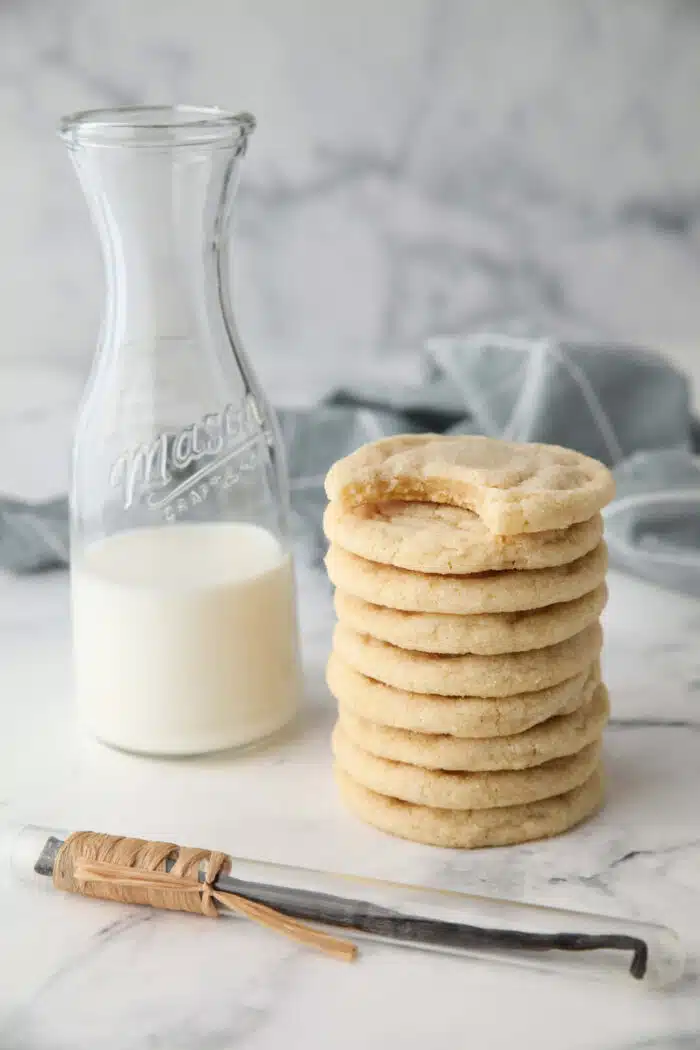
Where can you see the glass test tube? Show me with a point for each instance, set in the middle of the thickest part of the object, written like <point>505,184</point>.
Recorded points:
<point>552,940</point>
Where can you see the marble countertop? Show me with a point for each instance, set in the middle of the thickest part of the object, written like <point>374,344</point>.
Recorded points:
<point>79,974</point>
<point>397,187</point>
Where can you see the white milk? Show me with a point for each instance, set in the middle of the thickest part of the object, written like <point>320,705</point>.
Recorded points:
<point>185,638</point>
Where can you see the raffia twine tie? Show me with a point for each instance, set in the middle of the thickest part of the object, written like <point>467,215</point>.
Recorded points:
<point>132,871</point>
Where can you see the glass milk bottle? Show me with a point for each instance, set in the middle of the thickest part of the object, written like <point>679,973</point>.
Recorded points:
<point>184,625</point>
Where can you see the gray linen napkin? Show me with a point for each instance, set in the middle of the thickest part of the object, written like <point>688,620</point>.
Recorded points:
<point>628,407</point>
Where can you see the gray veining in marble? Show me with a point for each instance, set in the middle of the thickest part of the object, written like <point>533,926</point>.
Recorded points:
<point>421,166</point>
<point>86,975</point>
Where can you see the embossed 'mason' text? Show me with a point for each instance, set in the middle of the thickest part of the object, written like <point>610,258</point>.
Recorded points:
<point>150,468</point>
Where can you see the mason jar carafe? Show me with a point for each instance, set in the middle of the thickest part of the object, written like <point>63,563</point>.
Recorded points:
<point>183,605</point>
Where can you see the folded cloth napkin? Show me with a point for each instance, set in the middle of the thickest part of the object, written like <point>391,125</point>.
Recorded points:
<point>628,407</point>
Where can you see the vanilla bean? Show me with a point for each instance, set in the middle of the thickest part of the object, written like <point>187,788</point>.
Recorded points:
<point>364,917</point>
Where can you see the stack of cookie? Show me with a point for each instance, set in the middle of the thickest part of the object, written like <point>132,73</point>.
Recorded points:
<point>470,578</point>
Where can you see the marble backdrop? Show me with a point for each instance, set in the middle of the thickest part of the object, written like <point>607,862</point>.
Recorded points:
<point>421,166</point>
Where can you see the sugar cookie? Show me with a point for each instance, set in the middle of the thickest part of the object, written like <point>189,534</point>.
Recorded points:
<point>513,488</point>
<point>459,716</point>
<point>451,790</point>
<point>473,828</point>
<point>469,674</point>
<point>481,633</point>
<point>486,592</point>
<point>558,736</point>
<point>436,538</point>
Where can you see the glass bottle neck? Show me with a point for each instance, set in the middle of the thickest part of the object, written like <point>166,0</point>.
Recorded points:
<point>163,216</point>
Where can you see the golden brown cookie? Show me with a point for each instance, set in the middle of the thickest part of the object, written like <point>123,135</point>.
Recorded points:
<point>459,716</point>
<point>469,674</point>
<point>482,633</point>
<point>486,592</point>
<point>473,828</point>
<point>513,488</point>
<point>450,790</point>
<point>558,736</point>
<point>436,538</point>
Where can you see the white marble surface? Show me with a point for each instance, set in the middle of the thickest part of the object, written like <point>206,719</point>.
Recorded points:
<point>417,169</point>
<point>82,975</point>
<point>421,166</point>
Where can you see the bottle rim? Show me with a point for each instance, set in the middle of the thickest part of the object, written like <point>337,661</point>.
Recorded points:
<point>156,126</point>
